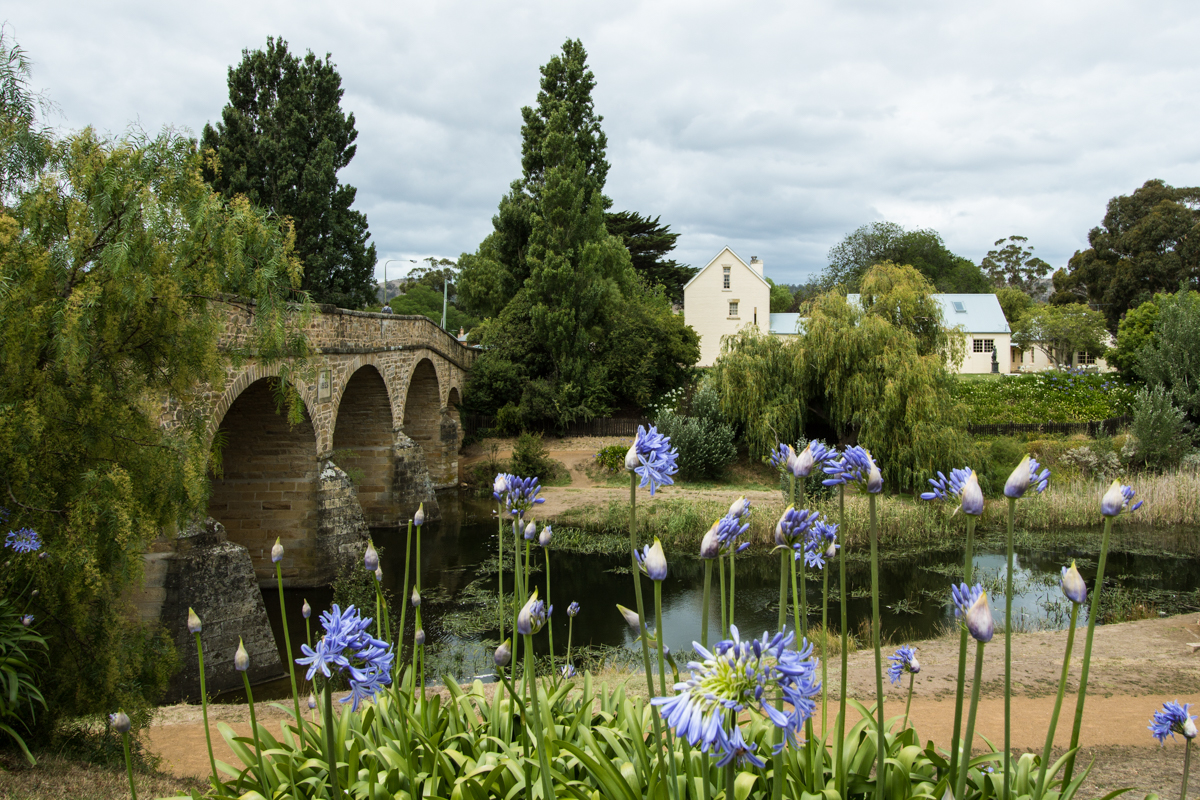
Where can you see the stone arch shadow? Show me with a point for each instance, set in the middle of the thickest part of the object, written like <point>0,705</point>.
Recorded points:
<point>364,437</point>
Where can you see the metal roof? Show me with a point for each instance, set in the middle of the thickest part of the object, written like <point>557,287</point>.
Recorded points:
<point>981,313</point>
<point>785,324</point>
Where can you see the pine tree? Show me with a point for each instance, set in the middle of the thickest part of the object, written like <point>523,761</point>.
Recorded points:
<point>281,141</point>
<point>649,243</point>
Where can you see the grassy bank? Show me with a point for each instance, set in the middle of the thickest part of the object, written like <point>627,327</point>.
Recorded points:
<point>1171,501</point>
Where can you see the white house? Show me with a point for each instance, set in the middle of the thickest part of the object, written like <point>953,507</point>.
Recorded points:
<point>722,298</point>
<point>728,294</point>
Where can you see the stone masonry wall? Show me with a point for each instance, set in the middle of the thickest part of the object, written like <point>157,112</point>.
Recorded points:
<point>363,444</point>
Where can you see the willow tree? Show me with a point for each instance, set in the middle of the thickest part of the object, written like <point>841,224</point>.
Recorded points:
<point>879,374</point>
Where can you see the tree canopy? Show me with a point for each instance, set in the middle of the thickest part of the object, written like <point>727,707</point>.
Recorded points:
<point>649,243</point>
<point>1148,242</point>
<point>876,242</point>
<point>281,141</point>
<point>1061,331</point>
<point>1170,359</point>
<point>562,291</point>
<point>877,376</point>
<point>1014,264</point>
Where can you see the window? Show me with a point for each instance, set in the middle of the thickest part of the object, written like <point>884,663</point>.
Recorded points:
<point>959,308</point>
<point>733,308</point>
<point>983,345</point>
<point>727,271</point>
<point>1086,358</point>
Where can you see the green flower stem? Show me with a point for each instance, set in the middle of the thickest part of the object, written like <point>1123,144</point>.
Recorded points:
<point>724,615</point>
<point>1008,627</point>
<point>970,735</point>
<point>133,789</point>
<point>908,703</point>
<point>403,606</point>
<point>500,566</point>
<point>968,569</point>
<point>880,773</point>
<point>549,621</point>
<point>641,609</point>
<point>795,604</point>
<point>802,624</point>
<point>777,758</point>
<point>662,684</point>
<point>1062,687</point>
<point>332,753</point>
<point>732,584</point>
<point>262,772</point>
<point>704,605</point>
<point>520,597</point>
<point>783,573</point>
<point>287,639</point>
<point>542,740</point>
<point>419,652</point>
<point>1187,762</point>
<point>570,632</point>
<point>1093,613</point>
<point>841,718</point>
<point>730,774</point>
<point>212,762</point>
<point>824,644</point>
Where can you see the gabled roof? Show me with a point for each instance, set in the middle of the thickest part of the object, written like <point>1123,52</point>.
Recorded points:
<point>976,313</point>
<point>717,258</point>
<point>785,324</point>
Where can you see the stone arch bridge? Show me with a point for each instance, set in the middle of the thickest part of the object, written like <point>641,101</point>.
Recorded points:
<point>381,414</point>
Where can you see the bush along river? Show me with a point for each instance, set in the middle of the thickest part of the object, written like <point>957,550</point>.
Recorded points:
<point>1144,577</point>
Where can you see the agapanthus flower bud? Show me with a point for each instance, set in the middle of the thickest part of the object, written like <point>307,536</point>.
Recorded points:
<point>419,637</point>
<point>572,609</point>
<point>371,558</point>
<point>500,485</point>
<point>312,701</point>
<point>379,574</point>
<point>241,659</point>
<point>1173,719</point>
<point>532,616</point>
<point>544,537</point>
<point>631,618</point>
<point>1072,584</point>
<point>276,552</point>
<point>419,517</point>
<point>739,506</point>
<point>631,458</point>
<point>306,609</point>
<point>710,545</point>
<point>503,654</point>
<point>653,561</point>
<point>972,495</point>
<point>530,531</point>
<point>1116,499</point>
<point>27,620</point>
<point>194,625</point>
<point>120,722</point>
<point>1018,481</point>
<point>416,598</point>
<point>568,671</point>
<point>831,551</point>
<point>874,476</point>
<point>979,620</point>
<point>34,593</point>
<point>802,463</point>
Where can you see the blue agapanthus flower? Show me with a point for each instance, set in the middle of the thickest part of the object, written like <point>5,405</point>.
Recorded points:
<point>573,609</point>
<point>24,540</point>
<point>1173,719</point>
<point>963,597</point>
<point>1116,500</point>
<point>738,676</point>
<point>347,647</point>
<point>947,488</point>
<point>903,660</point>
<point>792,528</point>
<point>730,529</point>
<point>652,458</point>
<point>820,544</point>
<point>519,495</point>
<point>854,465</point>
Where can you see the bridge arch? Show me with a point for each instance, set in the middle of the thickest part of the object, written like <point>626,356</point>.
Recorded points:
<point>269,479</point>
<point>363,439</point>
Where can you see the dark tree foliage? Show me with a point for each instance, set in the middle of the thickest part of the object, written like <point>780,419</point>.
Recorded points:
<point>877,242</point>
<point>1149,242</point>
<point>649,243</point>
<point>1014,264</point>
<point>281,141</point>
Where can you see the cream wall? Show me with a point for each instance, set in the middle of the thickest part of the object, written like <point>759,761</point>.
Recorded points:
<point>706,302</point>
<point>1036,360</point>
<point>982,362</point>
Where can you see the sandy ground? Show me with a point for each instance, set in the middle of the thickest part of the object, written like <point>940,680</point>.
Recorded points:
<point>1136,666</point>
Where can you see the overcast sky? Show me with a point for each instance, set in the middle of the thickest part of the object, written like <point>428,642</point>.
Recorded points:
<point>775,128</point>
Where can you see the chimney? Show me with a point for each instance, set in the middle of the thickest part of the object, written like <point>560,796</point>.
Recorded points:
<point>756,265</point>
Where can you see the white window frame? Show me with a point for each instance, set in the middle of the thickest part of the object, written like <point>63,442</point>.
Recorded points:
<point>726,278</point>
<point>734,308</point>
<point>983,345</point>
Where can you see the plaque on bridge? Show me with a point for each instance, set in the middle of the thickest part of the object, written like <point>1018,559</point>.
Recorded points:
<point>324,386</point>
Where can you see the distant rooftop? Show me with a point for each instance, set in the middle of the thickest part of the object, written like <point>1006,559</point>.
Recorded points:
<point>785,324</point>
<point>976,313</point>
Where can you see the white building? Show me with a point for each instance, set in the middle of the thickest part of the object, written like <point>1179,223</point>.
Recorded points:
<point>728,294</point>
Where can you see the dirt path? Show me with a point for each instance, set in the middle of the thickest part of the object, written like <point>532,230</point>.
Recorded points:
<point>1136,666</point>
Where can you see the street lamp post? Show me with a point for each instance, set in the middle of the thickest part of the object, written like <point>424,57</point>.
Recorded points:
<point>385,280</point>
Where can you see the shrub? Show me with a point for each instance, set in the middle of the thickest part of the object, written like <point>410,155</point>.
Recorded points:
<point>1050,396</point>
<point>705,446</point>
<point>612,458</point>
<point>1160,429</point>
<point>530,458</point>
<point>1093,463</point>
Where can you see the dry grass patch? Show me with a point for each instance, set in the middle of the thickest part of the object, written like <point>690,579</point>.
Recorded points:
<point>59,778</point>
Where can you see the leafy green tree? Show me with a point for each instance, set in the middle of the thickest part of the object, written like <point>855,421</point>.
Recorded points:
<point>118,265</point>
<point>24,144</point>
<point>876,242</point>
<point>425,301</point>
<point>649,243</point>
<point>782,298</point>
<point>877,376</point>
<point>1171,359</point>
<point>1148,242</point>
<point>1135,331</point>
<point>1014,264</point>
<point>1014,303</point>
<point>1061,331</point>
<point>1159,428</point>
<point>281,141</point>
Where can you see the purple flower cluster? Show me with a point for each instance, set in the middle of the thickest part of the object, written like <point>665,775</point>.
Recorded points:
<point>730,528</point>
<point>24,540</point>
<point>963,597</point>
<point>348,647</point>
<point>801,464</point>
<point>533,616</point>
<point>1025,475</point>
<point>947,488</point>
<point>905,660</point>
<point>854,465</point>
<point>652,458</point>
<point>792,528</point>
<point>1173,719</point>
<point>1116,500</point>
<point>517,494</point>
<point>737,676</point>
<point>820,544</point>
